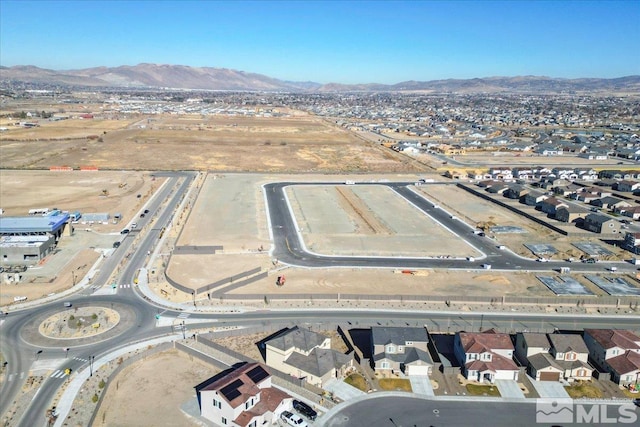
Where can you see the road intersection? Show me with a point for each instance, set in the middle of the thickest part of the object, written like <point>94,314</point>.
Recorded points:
<point>22,345</point>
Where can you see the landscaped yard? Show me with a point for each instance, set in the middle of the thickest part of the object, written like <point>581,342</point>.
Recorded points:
<point>584,389</point>
<point>630,395</point>
<point>393,384</point>
<point>357,381</point>
<point>482,390</point>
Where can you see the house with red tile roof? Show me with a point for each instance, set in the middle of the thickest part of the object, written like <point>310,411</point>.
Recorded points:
<point>242,397</point>
<point>485,356</point>
<point>615,351</point>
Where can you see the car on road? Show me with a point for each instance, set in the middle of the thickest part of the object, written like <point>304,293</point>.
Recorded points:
<point>590,261</point>
<point>146,211</point>
<point>142,215</point>
<point>542,260</point>
<point>305,409</point>
<point>134,225</point>
<point>125,231</point>
<point>116,245</point>
<point>292,419</point>
<point>67,304</point>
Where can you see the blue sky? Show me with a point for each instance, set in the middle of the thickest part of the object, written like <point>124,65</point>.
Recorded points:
<point>331,41</point>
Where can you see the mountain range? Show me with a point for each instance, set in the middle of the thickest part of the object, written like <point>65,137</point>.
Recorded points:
<point>155,76</point>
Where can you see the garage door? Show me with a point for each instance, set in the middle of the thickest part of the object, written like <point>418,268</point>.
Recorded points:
<point>549,376</point>
<point>417,370</point>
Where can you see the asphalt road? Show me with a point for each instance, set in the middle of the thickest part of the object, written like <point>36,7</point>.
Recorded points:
<point>22,346</point>
<point>411,411</point>
<point>289,247</point>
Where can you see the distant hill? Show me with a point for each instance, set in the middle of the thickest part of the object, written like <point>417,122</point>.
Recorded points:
<point>207,78</point>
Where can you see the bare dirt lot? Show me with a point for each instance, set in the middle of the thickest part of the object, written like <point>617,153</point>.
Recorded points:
<point>369,220</point>
<point>478,212</point>
<point>158,396</point>
<point>299,143</point>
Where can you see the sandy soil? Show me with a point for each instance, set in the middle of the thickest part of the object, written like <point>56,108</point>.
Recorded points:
<point>477,212</point>
<point>79,322</point>
<point>159,396</point>
<point>300,143</point>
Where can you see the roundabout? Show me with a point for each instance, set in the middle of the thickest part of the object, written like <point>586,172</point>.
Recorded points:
<point>79,323</point>
<point>78,326</point>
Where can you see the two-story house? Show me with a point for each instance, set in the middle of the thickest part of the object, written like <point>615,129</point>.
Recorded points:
<point>242,397</point>
<point>615,351</point>
<point>554,357</point>
<point>486,356</point>
<point>306,354</point>
<point>401,350</point>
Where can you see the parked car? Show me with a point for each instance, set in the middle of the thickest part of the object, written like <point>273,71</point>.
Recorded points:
<point>305,409</point>
<point>292,419</point>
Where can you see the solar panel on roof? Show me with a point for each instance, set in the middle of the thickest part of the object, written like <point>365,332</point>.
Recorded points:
<point>257,374</point>
<point>231,391</point>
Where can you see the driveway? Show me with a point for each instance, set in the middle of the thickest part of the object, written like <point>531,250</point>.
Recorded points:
<point>421,384</point>
<point>509,389</point>
<point>551,389</point>
<point>342,390</point>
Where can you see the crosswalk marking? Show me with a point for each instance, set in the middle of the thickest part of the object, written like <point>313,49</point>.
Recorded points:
<point>125,286</point>
<point>183,315</point>
<point>80,359</point>
<point>58,374</point>
<point>10,377</point>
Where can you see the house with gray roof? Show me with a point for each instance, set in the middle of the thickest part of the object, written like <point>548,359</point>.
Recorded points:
<point>397,349</point>
<point>601,224</point>
<point>554,357</point>
<point>306,354</point>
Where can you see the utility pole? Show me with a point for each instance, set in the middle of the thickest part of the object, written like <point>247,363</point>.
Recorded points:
<point>91,365</point>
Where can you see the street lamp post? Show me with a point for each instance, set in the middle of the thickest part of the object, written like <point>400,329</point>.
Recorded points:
<point>183,330</point>
<point>193,294</point>
<point>66,352</point>
<point>38,353</point>
<point>91,365</point>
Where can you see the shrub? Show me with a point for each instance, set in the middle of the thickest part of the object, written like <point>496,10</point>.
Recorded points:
<point>101,384</point>
<point>95,398</point>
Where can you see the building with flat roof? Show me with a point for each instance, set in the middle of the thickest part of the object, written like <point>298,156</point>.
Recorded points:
<point>24,250</point>
<point>34,225</point>
<point>25,240</point>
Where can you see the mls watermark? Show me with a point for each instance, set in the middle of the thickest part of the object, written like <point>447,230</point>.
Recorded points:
<point>569,411</point>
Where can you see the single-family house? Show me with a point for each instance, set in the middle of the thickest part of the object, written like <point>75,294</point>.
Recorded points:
<point>570,213</point>
<point>627,186</point>
<point>610,202</point>
<point>610,350</point>
<point>515,191</point>
<point>397,349</point>
<point>632,212</point>
<point>306,354</point>
<point>485,356</point>
<point>534,198</point>
<point>551,204</point>
<point>601,224</point>
<point>554,357</point>
<point>242,397</point>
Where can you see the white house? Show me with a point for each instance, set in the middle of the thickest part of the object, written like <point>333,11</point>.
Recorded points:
<point>242,397</point>
<point>486,356</point>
